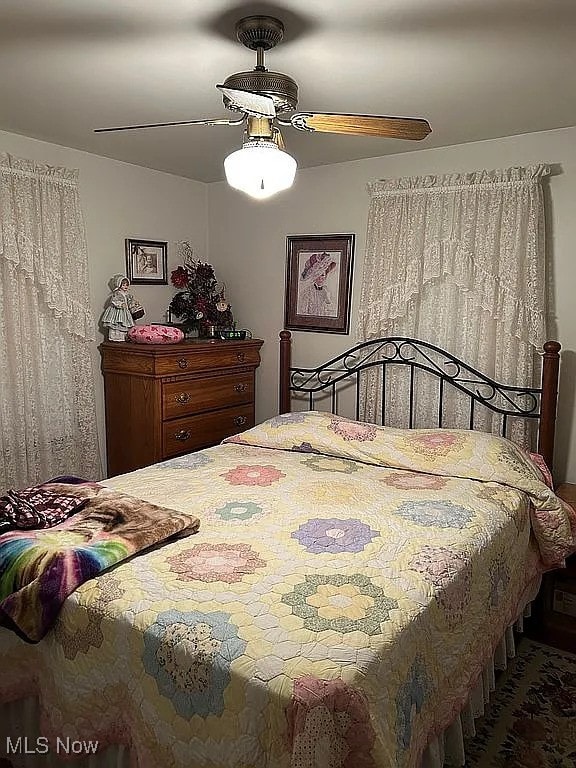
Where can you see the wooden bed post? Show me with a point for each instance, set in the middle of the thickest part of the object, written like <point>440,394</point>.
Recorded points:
<point>285,362</point>
<point>550,364</point>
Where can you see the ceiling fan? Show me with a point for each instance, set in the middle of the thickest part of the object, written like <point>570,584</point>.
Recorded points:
<point>266,100</point>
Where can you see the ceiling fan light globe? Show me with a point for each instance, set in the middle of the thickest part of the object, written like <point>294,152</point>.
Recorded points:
<point>260,169</point>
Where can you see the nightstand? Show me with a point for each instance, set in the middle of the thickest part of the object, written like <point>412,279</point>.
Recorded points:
<point>555,610</point>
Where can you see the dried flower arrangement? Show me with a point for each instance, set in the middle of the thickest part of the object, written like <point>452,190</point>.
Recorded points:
<point>201,301</point>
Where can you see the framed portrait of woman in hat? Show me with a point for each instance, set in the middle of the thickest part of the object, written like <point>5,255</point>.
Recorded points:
<point>319,282</point>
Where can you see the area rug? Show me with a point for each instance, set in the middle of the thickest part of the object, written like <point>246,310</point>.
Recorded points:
<point>530,721</point>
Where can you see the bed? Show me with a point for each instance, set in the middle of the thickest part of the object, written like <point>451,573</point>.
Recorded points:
<point>340,606</point>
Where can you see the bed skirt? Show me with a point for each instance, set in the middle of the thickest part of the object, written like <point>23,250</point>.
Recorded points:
<point>448,749</point>
<point>22,718</point>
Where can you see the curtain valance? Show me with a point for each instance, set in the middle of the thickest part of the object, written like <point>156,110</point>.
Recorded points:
<point>42,235</point>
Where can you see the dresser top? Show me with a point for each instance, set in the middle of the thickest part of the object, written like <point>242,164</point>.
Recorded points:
<point>187,345</point>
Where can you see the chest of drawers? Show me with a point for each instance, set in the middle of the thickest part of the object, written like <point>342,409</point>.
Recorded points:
<point>166,400</point>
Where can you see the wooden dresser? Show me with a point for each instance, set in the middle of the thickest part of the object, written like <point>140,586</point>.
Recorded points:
<point>166,400</point>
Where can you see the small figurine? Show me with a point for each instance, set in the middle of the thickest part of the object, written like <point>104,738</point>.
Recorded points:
<point>117,316</point>
<point>222,305</point>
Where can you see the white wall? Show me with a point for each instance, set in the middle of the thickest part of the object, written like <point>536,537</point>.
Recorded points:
<point>247,244</point>
<point>245,240</point>
<point>121,200</point>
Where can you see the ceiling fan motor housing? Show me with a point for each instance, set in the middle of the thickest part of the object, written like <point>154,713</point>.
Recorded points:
<point>259,32</point>
<point>279,87</point>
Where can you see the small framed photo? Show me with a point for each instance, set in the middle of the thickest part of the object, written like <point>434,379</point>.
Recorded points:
<point>146,262</point>
<point>319,282</point>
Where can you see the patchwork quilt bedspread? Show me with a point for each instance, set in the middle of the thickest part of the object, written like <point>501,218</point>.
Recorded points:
<point>347,585</point>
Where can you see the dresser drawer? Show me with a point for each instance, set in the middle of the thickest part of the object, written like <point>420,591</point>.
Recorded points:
<point>193,432</point>
<point>189,396</point>
<point>188,361</point>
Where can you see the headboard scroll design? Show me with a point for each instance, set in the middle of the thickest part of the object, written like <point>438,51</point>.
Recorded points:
<point>509,401</point>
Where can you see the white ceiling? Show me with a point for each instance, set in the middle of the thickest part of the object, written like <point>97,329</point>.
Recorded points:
<point>476,69</point>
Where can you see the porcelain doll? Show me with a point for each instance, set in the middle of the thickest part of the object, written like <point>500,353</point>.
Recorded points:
<point>117,316</point>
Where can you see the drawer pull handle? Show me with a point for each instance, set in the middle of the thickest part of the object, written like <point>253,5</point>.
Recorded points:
<point>240,387</point>
<point>183,363</point>
<point>240,421</point>
<point>183,435</point>
<point>241,356</point>
<point>183,398</point>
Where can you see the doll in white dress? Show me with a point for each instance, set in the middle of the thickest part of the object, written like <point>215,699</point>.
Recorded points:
<point>117,316</point>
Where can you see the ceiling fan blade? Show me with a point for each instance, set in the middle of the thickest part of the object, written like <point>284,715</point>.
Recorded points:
<point>252,103</point>
<point>215,121</point>
<point>361,125</point>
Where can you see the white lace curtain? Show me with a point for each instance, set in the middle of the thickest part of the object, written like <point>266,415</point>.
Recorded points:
<point>457,260</point>
<point>47,406</point>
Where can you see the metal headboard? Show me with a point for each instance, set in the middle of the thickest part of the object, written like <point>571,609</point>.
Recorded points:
<point>537,403</point>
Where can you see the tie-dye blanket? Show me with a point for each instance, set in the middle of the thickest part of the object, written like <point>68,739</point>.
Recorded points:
<point>346,588</point>
<point>39,568</point>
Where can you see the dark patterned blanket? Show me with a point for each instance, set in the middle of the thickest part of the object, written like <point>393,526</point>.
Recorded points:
<point>39,568</point>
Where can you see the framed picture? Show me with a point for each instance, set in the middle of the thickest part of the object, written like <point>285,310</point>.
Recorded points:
<point>319,282</point>
<point>146,262</point>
